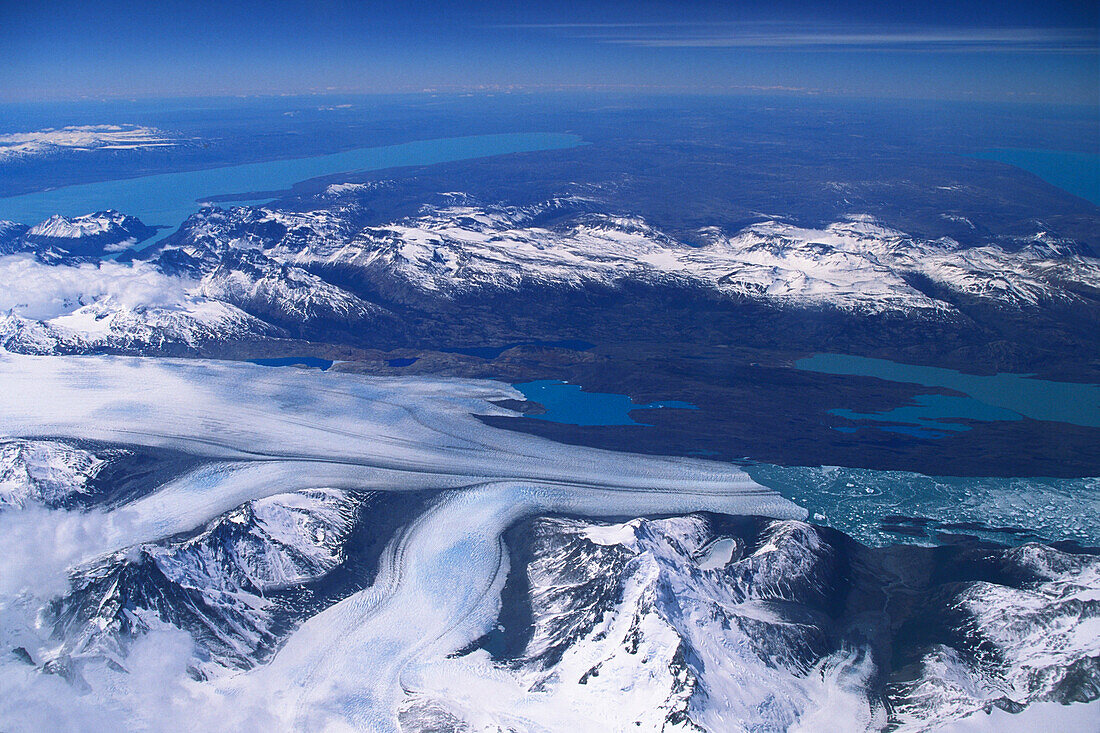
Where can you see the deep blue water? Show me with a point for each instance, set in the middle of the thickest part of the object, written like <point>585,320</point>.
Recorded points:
<point>168,199</point>
<point>402,362</point>
<point>1077,173</point>
<point>996,397</point>
<point>567,403</point>
<point>306,361</point>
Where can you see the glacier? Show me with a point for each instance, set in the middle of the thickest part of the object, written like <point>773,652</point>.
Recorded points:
<point>266,432</point>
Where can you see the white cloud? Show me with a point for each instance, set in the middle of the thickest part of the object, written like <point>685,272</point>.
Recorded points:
<point>778,35</point>
<point>41,292</point>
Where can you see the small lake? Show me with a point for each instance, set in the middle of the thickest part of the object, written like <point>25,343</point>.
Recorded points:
<point>569,404</point>
<point>167,199</point>
<point>1077,173</point>
<point>987,398</point>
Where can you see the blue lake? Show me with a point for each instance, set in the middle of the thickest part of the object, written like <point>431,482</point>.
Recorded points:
<point>168,199</point>
<point>567,403</point>
<point>987,398</point>
<point>1077,173</point>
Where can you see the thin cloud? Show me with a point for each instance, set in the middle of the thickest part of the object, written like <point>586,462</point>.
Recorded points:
<point>780,36</point>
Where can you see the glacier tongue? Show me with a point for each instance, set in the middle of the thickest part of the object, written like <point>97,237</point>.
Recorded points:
<point>685,622</point>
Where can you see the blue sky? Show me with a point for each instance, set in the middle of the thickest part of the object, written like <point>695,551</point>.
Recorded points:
<point>1044,51</point>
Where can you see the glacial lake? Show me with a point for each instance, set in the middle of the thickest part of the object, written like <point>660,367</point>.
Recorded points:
<point>1077,173</point>
<point>167,199</point>
<point>569,404</point>
<point>885,507</point>
<point>987,398</point>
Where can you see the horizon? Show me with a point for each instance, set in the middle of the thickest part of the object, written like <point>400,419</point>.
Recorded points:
<point>939,51</point>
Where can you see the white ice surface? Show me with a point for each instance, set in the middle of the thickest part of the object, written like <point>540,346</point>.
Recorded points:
<point>1037,718</point>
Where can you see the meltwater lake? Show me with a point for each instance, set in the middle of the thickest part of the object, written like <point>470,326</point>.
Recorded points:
<point>987,398</point>
<point>167,199</point>
<point>569,404</point>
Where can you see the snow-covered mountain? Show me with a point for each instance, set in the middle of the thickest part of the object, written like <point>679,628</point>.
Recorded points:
<point>44,472</point>
<point>250,273</point>
<point>61,238</point>
<point>703,623</point>
<point>461,250</point>
<point>220,585</point>
<point>82,307</point>
<point>50,141</point>
<point>667,625</point>
<point>1008,644</point>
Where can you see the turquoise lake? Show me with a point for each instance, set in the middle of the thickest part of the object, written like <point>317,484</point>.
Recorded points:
<point>168,199</point>
<point>569,404</point>
<point>995,397</point>
<point>1077,173</point>
<point>929,416</point>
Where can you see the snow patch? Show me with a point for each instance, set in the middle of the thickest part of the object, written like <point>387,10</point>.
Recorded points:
<point>81,137</point>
